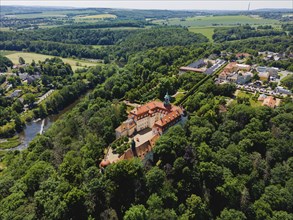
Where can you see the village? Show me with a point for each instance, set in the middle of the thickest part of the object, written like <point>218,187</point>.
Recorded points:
<point>263,81</point>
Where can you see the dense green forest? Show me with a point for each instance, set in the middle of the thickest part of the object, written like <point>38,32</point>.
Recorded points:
<point>69,36</point>
<point>69,43</point>
<point>243,32</point>
<point>219,164</point>
<point>226,162</point>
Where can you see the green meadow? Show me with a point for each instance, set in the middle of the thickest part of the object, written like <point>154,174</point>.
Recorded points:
<point>206,31</point>
<point>29,57</point>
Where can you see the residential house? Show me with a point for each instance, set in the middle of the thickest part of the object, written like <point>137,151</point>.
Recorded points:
<point>15,93</point>
<point>262,97</point>
<point>273,72</point>
<point>243,67</point>
<point>282,90</point>
<point>269,101</point>
<point>223,76</point>
<point>25,77</point>
<point>264,76</point>
<point>244,77</point>
<point>233,77</point>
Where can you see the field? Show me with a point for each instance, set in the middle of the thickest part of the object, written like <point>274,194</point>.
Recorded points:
<point>28,57</point>
<point>55,13</point>
<point>203,21</point>
<point>99,16</point>
<point>4,29</point>
<point>206,31</point>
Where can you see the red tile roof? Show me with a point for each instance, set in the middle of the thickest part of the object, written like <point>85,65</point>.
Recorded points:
<point>168,118</point>
<point>269,101</point>
<point>151,107</point>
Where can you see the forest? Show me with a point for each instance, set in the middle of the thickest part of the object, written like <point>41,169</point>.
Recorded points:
<point>219,165</point>
<point>76,42</point>
<point>244,32</point>
<point>228,161</point>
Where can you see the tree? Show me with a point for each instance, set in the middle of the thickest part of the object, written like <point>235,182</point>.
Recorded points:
<point>5,63</point>
<point>195,208</point>
<point>137,212</point>
<point>17,106</point>
<point>29,99</point>
<point>154,179</point>
<point>288,81</point>
<point>21,60</point>
<point>262,210</point>
<point>231,214</point>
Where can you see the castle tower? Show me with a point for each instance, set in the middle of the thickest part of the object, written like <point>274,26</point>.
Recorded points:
<point>167,100</point>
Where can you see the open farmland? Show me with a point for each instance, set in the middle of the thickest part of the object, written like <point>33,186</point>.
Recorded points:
<point>206,31</point>
<point>28,57</point>
<point>47,14</point>
<point>98,16</point>
<point>216,21</point>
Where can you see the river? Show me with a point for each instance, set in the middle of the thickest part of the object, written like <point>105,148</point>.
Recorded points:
<point>36,127</point>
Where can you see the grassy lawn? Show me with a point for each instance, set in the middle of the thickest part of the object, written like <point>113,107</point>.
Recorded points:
<point>10,142</point>
<point>28,57</point>
<point>206,31</point>
<point>243,94</point>
<point>216,21</point>
<point>181,90</point>
<point>178,97</point>
<point>6,52</point>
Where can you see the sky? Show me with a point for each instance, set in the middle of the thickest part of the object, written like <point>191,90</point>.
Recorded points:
<point>159,4</point>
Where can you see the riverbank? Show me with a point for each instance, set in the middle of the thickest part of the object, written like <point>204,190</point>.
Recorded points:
<point>33,128</point>
<point>8,143</point>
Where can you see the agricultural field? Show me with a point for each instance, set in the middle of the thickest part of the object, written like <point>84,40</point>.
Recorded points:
<point>47,14</point>
<point>28,57</point>
<point>98,16</point>
<point>200,21</point>
<point>206,31</point>
<point>4,29</point>
<point>37,15</point>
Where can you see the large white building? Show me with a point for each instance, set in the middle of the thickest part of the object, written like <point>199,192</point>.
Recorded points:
<point>156,115</point>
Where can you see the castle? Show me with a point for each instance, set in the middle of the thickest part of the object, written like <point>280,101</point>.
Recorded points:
<point>158,116</point>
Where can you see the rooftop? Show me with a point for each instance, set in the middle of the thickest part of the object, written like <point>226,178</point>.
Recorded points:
<point>151,106</point>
